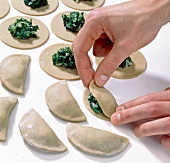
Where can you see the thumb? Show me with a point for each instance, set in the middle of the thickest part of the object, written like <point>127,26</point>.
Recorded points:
<point>109,64</point>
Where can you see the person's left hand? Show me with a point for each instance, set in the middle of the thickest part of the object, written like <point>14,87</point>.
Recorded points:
<point>155,108</point>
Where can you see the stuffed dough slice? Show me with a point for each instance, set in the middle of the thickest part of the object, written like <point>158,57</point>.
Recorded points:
<point>104,98</point>
<point>36,132</point>
<point>95,141</point>
<point>6,105</point>
<point>62,103</point>
<point>13,72</point>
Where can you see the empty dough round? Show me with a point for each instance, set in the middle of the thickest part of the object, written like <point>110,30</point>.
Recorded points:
<point>44,10</point>
<point>46,64</point>
<point>6,37</point>
<point>137,68</point>
<point>83,5</point>
<point>4,8</point>
<point>59,30</point>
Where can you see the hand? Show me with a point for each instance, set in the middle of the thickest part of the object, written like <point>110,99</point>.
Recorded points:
<point>115,32</point>
<point>155,106</point>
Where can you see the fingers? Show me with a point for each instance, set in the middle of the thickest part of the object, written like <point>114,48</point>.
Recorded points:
<point>154,128</point>
<point>141,112</point>
<point>165,141</point>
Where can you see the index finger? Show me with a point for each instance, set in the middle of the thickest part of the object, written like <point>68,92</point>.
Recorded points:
<point>82,44</point>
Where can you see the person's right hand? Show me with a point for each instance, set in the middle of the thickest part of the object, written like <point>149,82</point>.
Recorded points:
<point>115,32</point>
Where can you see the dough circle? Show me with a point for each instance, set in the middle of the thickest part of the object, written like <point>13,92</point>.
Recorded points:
<point>59,30</point>
<point>4,8</point>
<point>46,64</point>
<point>138,67</point>
<point>83,5</point>
<point>44,10</point>
<point>6,37</point>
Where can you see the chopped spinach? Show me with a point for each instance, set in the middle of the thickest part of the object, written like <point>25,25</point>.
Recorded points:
<point>127,62</point>
<point>23,29</point>
<point>73,22</point>
<point>35,3</point>
<point>64,58</point>
<point>94,104</point>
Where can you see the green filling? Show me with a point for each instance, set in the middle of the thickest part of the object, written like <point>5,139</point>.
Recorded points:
<point>127,62</point>
<point>94,104</point>
<point>35,3</point>
<point>64,58</point>
<point>23,29</point>
<point>73,22</point>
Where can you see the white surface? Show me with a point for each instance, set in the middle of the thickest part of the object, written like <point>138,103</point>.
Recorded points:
<point>156,78</point>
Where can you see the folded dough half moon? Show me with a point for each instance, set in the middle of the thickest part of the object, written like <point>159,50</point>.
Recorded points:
<point>6,105</point>
<point>13,72</point>
<point>104,98</point>
<point>62,103</point>
<point>36,132</point>
<point>4,8</point>
<point>95,141</point>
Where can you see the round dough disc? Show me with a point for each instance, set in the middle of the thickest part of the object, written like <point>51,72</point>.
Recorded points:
<point>59,30</point>
<point>44,10</point>
<point>138,67</point>
<point>4,8</point>
<point>6,37</point>
<point>46,64</point>
<point>83,5</point>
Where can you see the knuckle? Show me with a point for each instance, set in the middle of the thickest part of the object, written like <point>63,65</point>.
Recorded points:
<point>109,67</point>
<point>167,125</point>
<point>151,98</point>
<point>155,109</point>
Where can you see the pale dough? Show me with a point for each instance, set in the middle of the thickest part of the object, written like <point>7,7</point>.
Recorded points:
<point>6,37</point>
<point>44,10</point>
<point>138,67</point>
<point>83,5</point>
<point>59,30</point>
<point>46,64</point>
<point>4,8</point>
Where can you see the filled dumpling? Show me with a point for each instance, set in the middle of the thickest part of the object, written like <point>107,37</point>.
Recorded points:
<point>62,103</point>
<point>95,141</point>
<point>36,132</point>
<point>6,105</point>
<point>99,101</point>
<point>13,72</point>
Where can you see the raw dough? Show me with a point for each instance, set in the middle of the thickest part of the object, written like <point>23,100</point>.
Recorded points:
<point>44,10</point>
<point>13,72</point>
<point>95,141</point>
<point>4,8</point>
<point>83,5</point>
<point>36,132</point>
<point>59,30</point>
<point>105,99</point>
<point>46,64</point>
<point>138,67</point>
<point>6,105</point>
<point>5,36</point>
<point>62,103</point>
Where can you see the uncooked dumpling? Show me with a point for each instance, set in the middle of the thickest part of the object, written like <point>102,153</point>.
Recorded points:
<point>104,98</point>
<point>62,103</point>
<point>4,8</point>
<point>95,141</point>
<point>137,68</point>
<point>36,132</point>
<point>6,105</point>
<point>13,72</point>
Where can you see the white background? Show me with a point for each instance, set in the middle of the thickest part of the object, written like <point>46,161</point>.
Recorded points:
<point>156,78</point>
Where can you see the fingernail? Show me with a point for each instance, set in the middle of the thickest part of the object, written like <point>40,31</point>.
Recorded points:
<point>115,118</point>
<point>119,108</point>
<point>136,131</point>
<point>101,80</point>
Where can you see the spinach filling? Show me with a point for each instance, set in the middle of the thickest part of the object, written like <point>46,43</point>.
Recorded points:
<point>94,104</point>
<point>35,3</point>
<point>64,58</point>
<point>23,29</point>
<point>73,22</point>
<point>127,62</point>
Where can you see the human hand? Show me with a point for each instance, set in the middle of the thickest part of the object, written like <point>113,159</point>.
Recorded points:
<point>155,108</point>
<point>115,32</point>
